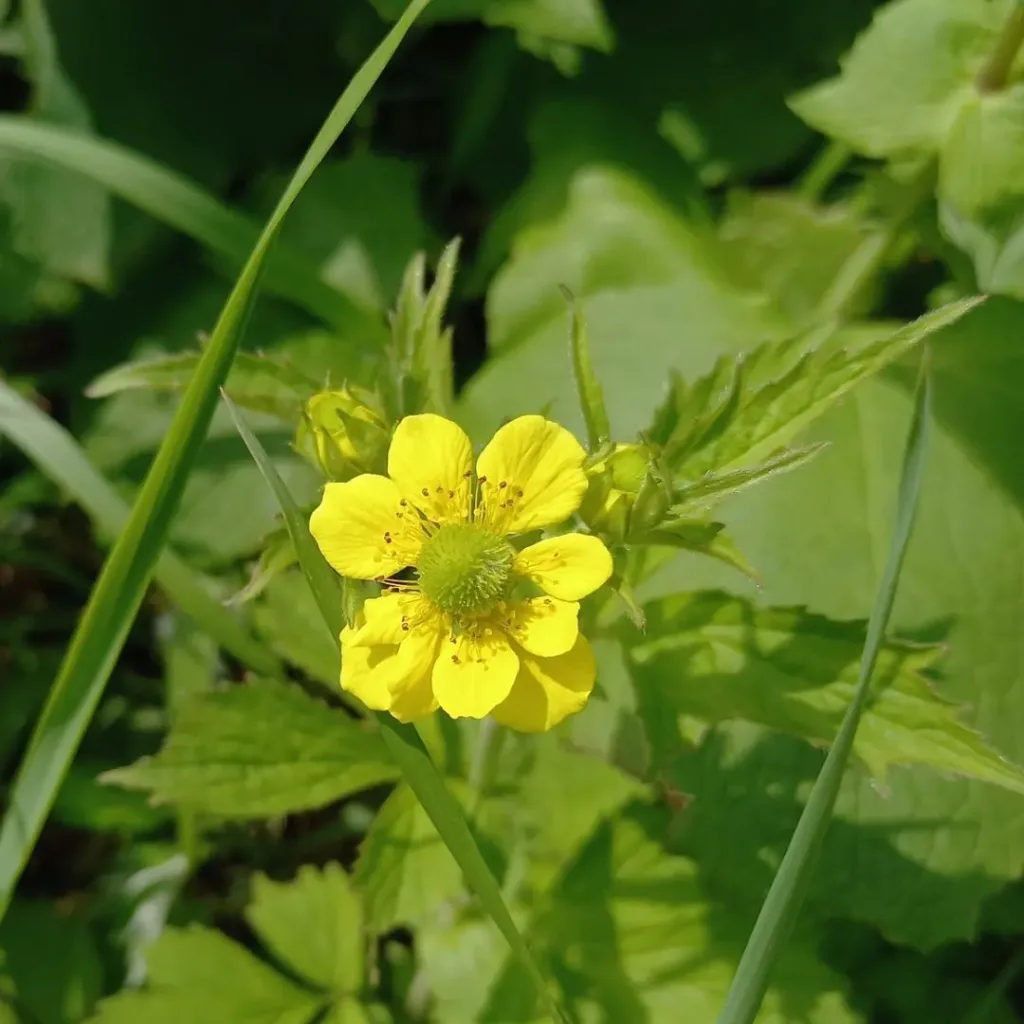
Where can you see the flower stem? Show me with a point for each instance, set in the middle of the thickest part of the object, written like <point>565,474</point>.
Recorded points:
<point>996,70</point>
<point>822,172</point>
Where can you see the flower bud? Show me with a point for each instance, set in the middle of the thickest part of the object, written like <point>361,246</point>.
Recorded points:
<point>343,432</point>
<point>614,484</point>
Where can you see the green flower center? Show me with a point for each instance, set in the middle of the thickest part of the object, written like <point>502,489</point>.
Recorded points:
<point>464,569</point>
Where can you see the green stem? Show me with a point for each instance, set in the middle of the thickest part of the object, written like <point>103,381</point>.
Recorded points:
<point>866,260</point>
<point>996,70</point>
<point>822,172</point>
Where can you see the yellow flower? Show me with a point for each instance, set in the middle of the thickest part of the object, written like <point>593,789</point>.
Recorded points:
<point>480,628</point>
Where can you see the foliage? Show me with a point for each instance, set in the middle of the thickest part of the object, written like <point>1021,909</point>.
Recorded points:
<point>718,244</point>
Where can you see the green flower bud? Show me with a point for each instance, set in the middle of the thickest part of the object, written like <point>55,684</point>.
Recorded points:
<point>615,481</point>
<point>343,432</point>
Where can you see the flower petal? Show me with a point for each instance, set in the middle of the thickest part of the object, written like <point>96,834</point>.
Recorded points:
<point>567,567</point>
<point>360,528</point>
<point>474,674</point>
<point>365,670</point>
<point>412,692</point>
<point>390,618</point>
<point>549,689</point>
<point>431,460</point>
<point>544,626</point>
<point>531,475</point>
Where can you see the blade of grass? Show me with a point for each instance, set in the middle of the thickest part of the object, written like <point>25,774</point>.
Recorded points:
<point>173,199</point>
<point>790,883</point>
<point>61,458</point>
<point>403,742</point>
<point>115,599</point>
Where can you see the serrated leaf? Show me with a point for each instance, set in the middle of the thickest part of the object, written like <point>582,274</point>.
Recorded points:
<point>259,749</point>
<point>404,871</point>
<point>701,536</point>
<point>796,672</point>
<point>431,344</point>
<point>588,387</point>
<point>256,382</point>
<point>906,77</point>
<point>772,412</point>
<point>715,486</point>
<point>198,974</point>
<point>314,924</point>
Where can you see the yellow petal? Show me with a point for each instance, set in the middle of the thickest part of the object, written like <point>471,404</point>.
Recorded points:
<point>567,567</point>
<point>544,626</point>
<point>431,460</point>
<point>390,618</point>
<point>531,475</point>
<point>549,689</point>
<point>362,530</point>
<point>475,673</point>
<point>360,675</point>
<point>411,689</point>
<point>384,675</point>
<point>380,622</point>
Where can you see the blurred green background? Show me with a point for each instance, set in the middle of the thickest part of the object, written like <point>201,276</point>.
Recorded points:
<point>644,155</point>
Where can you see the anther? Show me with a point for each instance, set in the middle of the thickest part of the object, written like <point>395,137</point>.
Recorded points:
<point>455,659</point>
<point>503,485</point>
<point>425,493</point>
<point>387,538</point>
<point>451,494</point>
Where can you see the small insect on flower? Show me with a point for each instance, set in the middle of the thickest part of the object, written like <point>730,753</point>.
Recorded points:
<point>462,632</point>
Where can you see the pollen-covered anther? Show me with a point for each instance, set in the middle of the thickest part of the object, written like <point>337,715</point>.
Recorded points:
<point>465,569</point>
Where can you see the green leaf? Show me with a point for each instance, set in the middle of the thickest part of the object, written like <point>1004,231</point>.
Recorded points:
<point>59,456</point>
<point>115,600</point>
<point>179,203</point>
<point>790,248</point>
<point>782,400</point>
<point>420,335</point>
<point>712,487</point>
<point>287,615</point>
<point>797,672</point>
<point>907,77</point>
<point>314,925</point>
<point>358,221</point>
<point>635,925</point>
<point>786,895</point>
<point>60,220</point>
<point>403,742</point>
<point>405,872</point>
<point>259,749</point>
<point>198,974</point>
<point>53,961</point>
<point>277,556</point>
<point>258,382</point>
<point>613,234</point>
<point>982,161</point>
<point>915,860</point>
<point>588,387</point>
<point>701,536</point>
